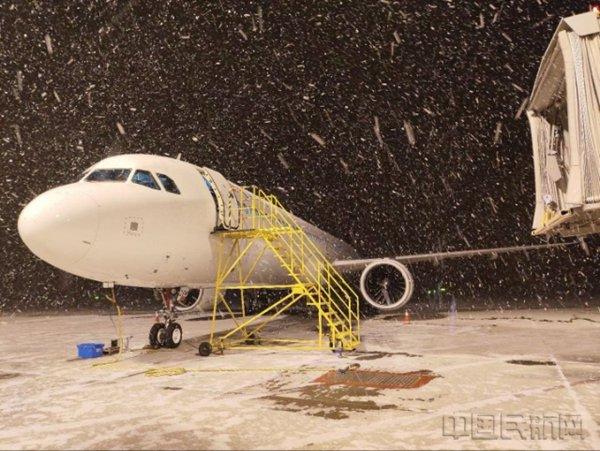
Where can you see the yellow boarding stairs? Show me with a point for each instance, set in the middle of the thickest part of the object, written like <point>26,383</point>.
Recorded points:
<point>266,228</point>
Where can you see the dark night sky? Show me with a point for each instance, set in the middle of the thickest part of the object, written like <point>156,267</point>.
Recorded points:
<point>241,86</point>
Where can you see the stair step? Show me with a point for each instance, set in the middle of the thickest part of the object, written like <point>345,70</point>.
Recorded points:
<point>342,336</point>
<point>326,291</point>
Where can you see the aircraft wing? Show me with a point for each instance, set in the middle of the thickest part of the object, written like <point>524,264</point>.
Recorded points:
<point>349,265</point>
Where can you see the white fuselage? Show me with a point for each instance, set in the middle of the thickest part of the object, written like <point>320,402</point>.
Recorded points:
<point>126,233</point>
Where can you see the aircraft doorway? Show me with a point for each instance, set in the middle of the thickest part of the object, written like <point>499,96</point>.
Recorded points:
<point>228,212</point>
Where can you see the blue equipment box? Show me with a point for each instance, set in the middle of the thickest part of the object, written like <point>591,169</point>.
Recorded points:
<point>90,350</point>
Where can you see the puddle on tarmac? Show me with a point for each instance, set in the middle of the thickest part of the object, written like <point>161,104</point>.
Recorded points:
<point>531,362</point>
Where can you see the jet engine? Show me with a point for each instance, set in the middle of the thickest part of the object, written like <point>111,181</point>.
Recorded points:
<point>386,284</point>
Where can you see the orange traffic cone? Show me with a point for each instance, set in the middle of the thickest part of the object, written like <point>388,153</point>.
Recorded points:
<point>406,317</point>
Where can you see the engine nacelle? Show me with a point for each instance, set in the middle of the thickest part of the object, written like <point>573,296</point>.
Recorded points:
<point>386,284</point>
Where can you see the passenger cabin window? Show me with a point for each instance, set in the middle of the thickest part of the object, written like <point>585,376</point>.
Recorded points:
<point>168,183</point>
<point>144,178</point>
<point>109,175</point>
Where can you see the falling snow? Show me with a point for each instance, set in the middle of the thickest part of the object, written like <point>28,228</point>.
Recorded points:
<point>397,126</point>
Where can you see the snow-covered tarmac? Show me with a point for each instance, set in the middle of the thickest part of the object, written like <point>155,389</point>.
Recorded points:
<point>548,397</point>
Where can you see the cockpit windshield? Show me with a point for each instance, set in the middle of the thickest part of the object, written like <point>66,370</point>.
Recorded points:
<point>109,175</point>
<point>144,178</point>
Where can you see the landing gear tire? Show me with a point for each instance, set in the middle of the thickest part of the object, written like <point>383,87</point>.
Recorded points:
<point>157,335</point>
<point>173,335</point>
<point>204,349</point>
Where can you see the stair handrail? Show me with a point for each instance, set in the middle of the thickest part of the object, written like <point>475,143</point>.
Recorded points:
<point>275,215</point>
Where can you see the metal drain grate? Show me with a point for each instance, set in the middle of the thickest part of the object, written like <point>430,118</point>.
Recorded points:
<point>377,379</point>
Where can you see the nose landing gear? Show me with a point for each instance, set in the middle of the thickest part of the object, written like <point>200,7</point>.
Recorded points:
<point>168,332</point>
<point>205,349</point>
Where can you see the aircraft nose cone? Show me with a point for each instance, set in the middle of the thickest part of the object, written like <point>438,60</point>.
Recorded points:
<point>60,225</point>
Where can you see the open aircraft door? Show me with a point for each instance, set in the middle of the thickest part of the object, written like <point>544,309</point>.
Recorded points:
<point>228,211</point>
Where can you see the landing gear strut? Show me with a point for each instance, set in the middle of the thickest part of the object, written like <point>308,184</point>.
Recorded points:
<point>166,332</point>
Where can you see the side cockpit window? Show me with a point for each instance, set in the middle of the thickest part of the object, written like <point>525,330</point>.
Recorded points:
<point>144,178</point>
<point>109,175</point>
<point>83,175</point>
<point>168,183</point>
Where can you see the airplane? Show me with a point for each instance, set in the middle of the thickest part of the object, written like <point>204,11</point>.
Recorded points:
<point>148,221</point>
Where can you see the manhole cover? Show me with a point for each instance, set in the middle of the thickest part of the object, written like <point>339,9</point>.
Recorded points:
<point>377,379</point>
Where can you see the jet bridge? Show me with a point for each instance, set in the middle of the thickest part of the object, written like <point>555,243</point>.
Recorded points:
<point>564,116</point>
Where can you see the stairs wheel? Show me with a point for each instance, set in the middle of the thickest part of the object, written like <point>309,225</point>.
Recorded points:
<point>204,349</point>
<point>335,346</point>
<point>252,339</point>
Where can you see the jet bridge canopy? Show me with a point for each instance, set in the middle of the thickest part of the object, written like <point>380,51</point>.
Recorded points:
<point>564,116</point>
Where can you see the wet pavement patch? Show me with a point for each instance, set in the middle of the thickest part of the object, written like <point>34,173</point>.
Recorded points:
<point>532,362</point>
<point>377,379</point>
<point>9,375</point>
<point>199,318</point>
<point>374,355</point>
<point>542,320</point>
<point>328,402</point>
<point>584,319</point>
<point>414,316</point>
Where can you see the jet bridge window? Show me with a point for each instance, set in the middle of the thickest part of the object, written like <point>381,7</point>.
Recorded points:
<point>168,183</point>
<point>109,175</point>
<point>144,178</point>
